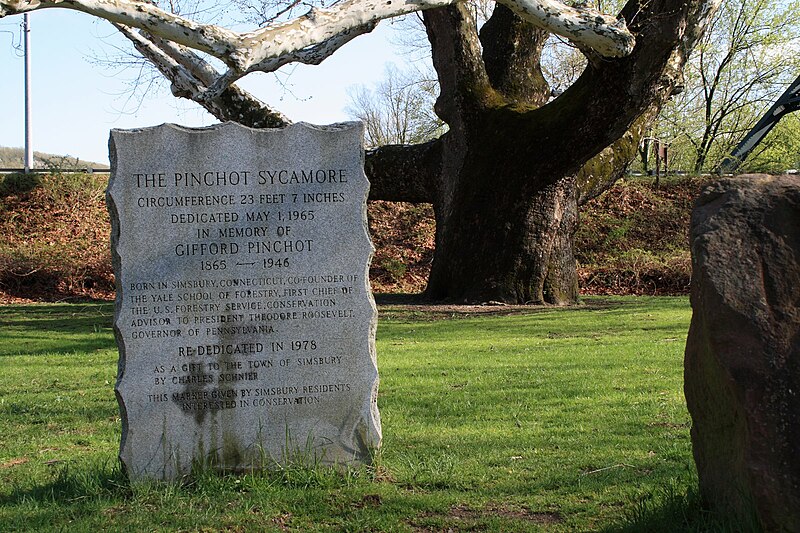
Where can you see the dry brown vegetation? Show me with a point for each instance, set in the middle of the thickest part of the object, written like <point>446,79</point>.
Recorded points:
<point>54,240</point>
<point>634,239</point>
<point>403,235</point>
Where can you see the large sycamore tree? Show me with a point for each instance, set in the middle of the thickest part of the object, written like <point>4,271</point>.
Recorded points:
<point>506,178</point>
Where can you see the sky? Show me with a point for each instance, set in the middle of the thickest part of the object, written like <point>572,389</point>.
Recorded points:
<point>76,102</point>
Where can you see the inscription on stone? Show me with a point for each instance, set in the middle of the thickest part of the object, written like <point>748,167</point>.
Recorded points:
<point>244,318</point>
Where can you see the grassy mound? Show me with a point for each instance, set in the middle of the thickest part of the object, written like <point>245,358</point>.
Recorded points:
<point>403,235</point>
<point>15,158</point>
<point>634,239</point>
<point>54,240</point>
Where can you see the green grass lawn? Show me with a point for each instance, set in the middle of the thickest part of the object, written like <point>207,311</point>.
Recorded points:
<point>547,420</point>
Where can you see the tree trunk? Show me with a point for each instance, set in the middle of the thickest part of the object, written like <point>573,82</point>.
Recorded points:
<point>501,233</point>
<point>510,174</point>
<point>504,240</point>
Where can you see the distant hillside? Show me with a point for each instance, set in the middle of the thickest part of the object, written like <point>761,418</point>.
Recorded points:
<point>15,158</point>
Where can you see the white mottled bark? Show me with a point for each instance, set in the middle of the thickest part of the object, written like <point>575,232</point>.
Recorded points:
<point>214,40</point>
<point>318,33</point>
<point>587,28</point>
<point>192,76</point>
<point>189,74</point>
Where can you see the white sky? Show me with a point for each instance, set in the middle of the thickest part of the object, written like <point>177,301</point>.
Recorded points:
<point>75,102</point>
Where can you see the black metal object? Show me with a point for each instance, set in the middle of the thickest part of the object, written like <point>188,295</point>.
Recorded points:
<point>788,102</point>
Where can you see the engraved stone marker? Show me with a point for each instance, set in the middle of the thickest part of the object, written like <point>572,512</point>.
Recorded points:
<point>244,319</point>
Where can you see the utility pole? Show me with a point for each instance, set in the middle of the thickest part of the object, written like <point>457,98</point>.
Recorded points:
<point>26,30</point>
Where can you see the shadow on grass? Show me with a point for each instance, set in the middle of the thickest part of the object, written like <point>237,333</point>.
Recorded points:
<point>69,328</point>
<point>58,317</point>
<point>671,510</point>
<point>597,318</point>
<point>59,329</point>
<point>410,303</point>
<point>73,484</point>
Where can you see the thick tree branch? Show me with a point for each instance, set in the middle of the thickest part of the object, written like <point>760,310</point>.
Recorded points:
<point>665,29</point>
<point>593,31</point>
<point>404,173</point>
<point>512,50</point>
<point>397,172</point>
<point>191,76</point>
<point>456,54</point>
<point>600,172</point>
<point>465,92</point>
<point>313,55</point>
<point>247,52</point>
<point>604,169</point>
<point>219,42</point>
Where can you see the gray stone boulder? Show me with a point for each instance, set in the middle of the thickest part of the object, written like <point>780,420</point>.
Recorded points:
<point>742,366</point>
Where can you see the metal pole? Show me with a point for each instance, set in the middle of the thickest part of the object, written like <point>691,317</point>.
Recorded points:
<point>26,30</point>
<point>788,102</point>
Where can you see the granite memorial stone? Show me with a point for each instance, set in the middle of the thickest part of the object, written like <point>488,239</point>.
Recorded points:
<point>244,319</point>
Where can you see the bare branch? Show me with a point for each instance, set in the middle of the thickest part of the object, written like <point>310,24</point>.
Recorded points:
<point>191,76</point>
<point>219,42</point>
